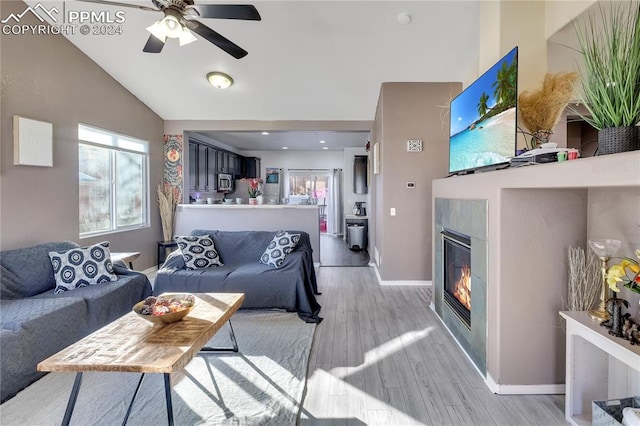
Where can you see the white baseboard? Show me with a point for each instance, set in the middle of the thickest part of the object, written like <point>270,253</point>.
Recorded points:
<point>523,389</point>
<point>505,389</point>
<point>413,283</point>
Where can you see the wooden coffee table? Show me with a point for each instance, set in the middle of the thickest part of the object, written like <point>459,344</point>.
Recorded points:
<point>134,345</point>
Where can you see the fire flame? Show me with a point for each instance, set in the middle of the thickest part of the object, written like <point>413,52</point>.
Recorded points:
<point>462,289</point>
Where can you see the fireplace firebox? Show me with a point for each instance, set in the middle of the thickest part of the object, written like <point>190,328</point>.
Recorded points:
<point>457,274</point>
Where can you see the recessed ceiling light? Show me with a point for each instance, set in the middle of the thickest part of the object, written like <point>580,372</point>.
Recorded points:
<point>265,133</point>
<point>219,80</point>
<point>285,147</point>
<point>324,147</point>
<point>323,141</point>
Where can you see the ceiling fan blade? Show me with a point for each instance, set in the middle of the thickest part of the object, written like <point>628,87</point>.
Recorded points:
<point>154,45</point>
<point>223,43</point>
<point>115,3</point>
<point>247,12</point>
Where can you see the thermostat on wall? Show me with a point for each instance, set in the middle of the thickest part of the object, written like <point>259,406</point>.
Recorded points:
<point>414,145</point>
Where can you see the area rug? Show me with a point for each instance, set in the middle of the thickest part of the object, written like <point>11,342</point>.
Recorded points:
<point>261,385</point>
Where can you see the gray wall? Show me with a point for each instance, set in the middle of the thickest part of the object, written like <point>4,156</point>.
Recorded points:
<point>47,78</point>
<point>409,111</point>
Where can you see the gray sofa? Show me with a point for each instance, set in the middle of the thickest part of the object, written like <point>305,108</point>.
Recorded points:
<point>292,286</point>
<point>36,323</point>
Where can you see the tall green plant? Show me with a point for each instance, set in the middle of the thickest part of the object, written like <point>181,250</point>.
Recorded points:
<point>611,75</point>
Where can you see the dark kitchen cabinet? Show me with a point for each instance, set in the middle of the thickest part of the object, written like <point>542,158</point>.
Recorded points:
<point>240,169</point>
<point>252,167</point>
<point>202,167</point>
<point>223,161</point>
<point>212,175</point>
<point>193,166</point>
<point>232,164</point>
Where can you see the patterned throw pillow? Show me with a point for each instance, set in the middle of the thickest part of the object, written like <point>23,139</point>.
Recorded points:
<point>280,246</point>
<point>198,252</point>
<point>82,266</point>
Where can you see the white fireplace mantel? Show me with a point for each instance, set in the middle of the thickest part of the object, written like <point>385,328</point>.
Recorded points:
<point>535,213</point>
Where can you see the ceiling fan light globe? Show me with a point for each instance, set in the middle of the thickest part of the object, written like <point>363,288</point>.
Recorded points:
<point>171,26</point>
<point>156,30</point>
<point>219,80</point>
<point>186,37</point>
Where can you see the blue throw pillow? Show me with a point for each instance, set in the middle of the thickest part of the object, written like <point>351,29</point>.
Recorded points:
<point>280,246</point>
<point>82,267</point>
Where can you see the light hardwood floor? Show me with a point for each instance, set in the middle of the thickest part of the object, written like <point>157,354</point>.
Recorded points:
<point>382,357</point>
<point>334,251</point>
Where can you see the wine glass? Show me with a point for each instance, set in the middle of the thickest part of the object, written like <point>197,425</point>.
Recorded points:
<point>604,249</point>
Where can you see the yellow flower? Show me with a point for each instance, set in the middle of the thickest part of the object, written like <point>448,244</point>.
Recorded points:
<point>627,272</point>
<point>613,277</point>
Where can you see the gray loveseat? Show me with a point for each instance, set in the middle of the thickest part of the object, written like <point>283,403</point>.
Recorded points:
<point>36,323</point>
<point>292,286</point>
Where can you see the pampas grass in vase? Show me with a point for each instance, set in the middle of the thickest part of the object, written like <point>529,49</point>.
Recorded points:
<point>540,109</point>
<point>167,205</point>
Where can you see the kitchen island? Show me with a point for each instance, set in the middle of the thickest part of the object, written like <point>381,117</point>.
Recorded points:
<point>246,217</point>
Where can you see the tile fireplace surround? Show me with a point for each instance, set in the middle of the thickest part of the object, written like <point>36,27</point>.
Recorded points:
<point>467,217</point>
<point>533,215</point>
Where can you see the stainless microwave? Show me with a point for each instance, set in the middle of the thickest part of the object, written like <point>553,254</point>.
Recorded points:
<point>225,182</point>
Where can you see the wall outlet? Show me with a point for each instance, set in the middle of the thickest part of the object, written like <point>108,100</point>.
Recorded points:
<point>411,185</point>
<point>393,211</point>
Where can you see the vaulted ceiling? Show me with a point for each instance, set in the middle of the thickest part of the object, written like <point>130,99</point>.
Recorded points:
<point>308,60</point>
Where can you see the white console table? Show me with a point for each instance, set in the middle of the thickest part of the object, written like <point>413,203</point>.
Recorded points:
<point>599,367</point>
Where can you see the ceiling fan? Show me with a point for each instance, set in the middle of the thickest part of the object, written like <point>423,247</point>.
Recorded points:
<point>178,22</point>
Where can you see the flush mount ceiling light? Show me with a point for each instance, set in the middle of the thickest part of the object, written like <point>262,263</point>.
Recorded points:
<point>219,80</point>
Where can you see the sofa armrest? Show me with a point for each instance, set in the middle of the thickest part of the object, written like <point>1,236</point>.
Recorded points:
<point>174,261</point>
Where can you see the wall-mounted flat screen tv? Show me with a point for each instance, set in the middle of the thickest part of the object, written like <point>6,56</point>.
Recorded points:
<point>483,122</point>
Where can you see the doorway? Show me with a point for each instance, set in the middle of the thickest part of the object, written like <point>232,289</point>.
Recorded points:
<point>321,187</point>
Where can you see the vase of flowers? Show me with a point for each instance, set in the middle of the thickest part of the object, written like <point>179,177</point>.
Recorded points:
<point>253,189</point>
<point>167,205</point>
<point>626,272</point>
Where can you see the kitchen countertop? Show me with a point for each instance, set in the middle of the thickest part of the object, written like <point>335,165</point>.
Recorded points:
<point>353,216</point>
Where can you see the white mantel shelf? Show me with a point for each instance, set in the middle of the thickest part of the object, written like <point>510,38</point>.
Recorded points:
<point>247,206</point>
<point>617,170</point>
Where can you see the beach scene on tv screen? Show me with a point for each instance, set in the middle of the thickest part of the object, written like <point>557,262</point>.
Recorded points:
<point>483,118</point>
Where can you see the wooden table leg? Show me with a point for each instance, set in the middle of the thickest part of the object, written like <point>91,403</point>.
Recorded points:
<point>167,395</point>
<point>72,399</point>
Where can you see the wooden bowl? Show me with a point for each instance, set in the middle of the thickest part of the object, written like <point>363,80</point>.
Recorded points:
<point>170,317</point>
